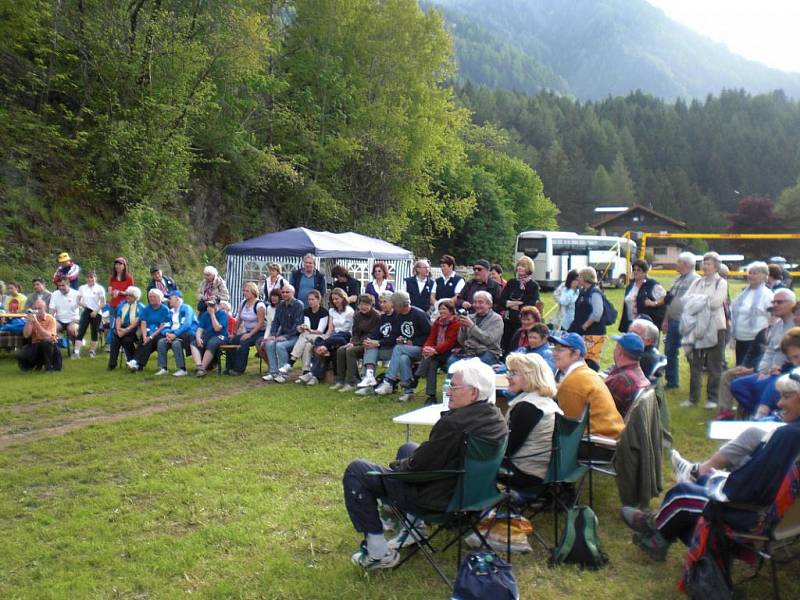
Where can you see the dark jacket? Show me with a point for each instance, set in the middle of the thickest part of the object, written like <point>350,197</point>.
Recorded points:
<point>352,287</point>
<point>447,289</point>
<point>287,319</point>
<point>414,326</point>
<point>170,283</point>
<point>583,310</point>
<point>472,286</point>
<point>363,325</point>
<point>445,449</point>
<point>656,313</point>
<point>319,280</point>
<point>515,291</point>
<point>384,330</point>
<point>421,300</point>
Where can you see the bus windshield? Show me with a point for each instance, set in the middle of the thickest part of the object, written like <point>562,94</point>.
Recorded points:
<point>531,246</point>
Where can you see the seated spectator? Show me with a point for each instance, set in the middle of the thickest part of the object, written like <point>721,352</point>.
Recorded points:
<point>249,327</point>
<point>380,282</point>
<point>315,324</point>
<point>420,287</point>
<point>343,280</point>
<point>153,319</point>
<point>177,335</point>
<point>283,334</point>
<point>64,306</point>
<point>531,419</point>
<point>41,328</point>
<point>520,292</point>
<point>126,327</point>
<point>378,346</point>
<point>750,310</point>
<point>436,349</point>
<point>274,281</point>
<point>212,287</point>
<point>92,298</point>
<point>14,299</point>
<point>756,462</point>
<point>307,278</point>
<point>651,357</point>
<point>160,281</point>
<point>272,306</point>
<point>365,320</point>
<point>479,334</point>
<point>626,378</point>
<point>67,269</point>
<point>211,333</point>
<point>755,392</point>
<point>578,385</point>
<point>480,282</point>
<point>39,291</point>
<point>2,295</point>
<point>411,328</point>
<point>450,284</point>
<point>534,339</point>
<point>469,414</point>
<point>340,329</point>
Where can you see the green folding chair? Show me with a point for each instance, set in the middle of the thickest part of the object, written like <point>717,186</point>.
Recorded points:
<point>475,494</point>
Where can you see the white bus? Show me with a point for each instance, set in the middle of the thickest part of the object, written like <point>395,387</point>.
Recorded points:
<point>555,253</point>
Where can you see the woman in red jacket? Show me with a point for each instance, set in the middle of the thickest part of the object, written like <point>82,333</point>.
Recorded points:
<point>436,349</point>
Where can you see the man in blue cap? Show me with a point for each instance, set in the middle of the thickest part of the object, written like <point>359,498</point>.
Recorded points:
<point>626,378</point>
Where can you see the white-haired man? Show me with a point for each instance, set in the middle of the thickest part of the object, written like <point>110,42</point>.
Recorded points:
<point>470,413</point>
<point>672,319</point>
<point>480,333</point>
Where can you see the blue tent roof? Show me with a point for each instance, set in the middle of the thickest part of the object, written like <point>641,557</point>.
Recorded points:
<point>300,241</point>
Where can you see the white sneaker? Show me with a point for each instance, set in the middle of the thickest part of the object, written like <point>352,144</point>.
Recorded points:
<point>407,538</point>
<point>366,391</point>
<point>75,355</point>
<point>92,354</point>
<point>133,365</point>
<point>687,404</point>
<point>362,559</point>
<point>179,373</point>
<point>304,377</point>
<point>384,388</point>
<point>368,381</point>
<point>285,369</point>
<point>682,467</point>
<point>711,405</point>
<point>280,378</point>
<point>406,397</point>
<point>162,372</point>
<point>312,381</point>
<point>346,388</point>
<point>336,386</point>
<point>268,377</point>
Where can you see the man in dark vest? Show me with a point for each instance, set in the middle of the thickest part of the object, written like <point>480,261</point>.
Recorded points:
<point>421,287</point>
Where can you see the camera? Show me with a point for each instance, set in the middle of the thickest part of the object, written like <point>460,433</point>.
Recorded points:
<point>30,311</point>
<point>461,312</point>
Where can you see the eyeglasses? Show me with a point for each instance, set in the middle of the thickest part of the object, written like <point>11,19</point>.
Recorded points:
<point>780,301</point>
<point>794,376</point>
<point>478,268</point>
<point>458,387</point>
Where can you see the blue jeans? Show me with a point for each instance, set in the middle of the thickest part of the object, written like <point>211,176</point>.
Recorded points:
<point>373,355</point>
<point>400,363</point>
<point>672,344</point>
<point>237,360</point>
<point>278,353</point>
<point>485,357</point>
<point>750,391</point>
<point>177,349</point>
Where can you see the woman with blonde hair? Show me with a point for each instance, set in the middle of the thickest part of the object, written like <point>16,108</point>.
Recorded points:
<point>249,328</point>
<point>531,420</point>
<point>518,292</point>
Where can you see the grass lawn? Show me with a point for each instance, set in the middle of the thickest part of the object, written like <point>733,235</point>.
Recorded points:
<point>134,486</point>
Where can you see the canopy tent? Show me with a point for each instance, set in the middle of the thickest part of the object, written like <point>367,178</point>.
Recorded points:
<point>248,260</point>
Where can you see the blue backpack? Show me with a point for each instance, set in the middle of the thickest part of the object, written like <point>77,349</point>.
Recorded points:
<point>610,315</point>
<point>485,576</point>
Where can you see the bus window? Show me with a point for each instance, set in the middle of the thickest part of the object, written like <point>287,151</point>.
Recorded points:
<point>531,246</point>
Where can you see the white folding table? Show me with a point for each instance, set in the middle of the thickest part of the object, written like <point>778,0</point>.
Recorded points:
<point>727,430</point>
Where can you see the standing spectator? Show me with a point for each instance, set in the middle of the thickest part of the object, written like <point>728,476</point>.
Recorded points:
<point>343,280</point>
<point>67,269</point>
<point>518,292</point>
<point>39,291</point>
<point>119,281</point>
<point>283,335</point>
<point>92,298</point>
<point>565,295</point>
<point>366,318</point>
<point>496,274</point>
<point>213,286</point>
<point>480,333</point>
<point>480,282</point>
<point>153,319</point>
<point>750,310</point>
<point>307,278</point>
<point>775,277</point>
<point>211,333</point>
<point>714,290</point>
<point>252,318</point>
<point>160,281</point>
<point>626,378</point>
<point>65,308</point>
<point>450,284</point>
<point>436,349</point>
<point>274,280</point>
<point>40,328</point>
<point>178,335</point>
<point>379,345</point>
<point>643,296</point>
<point>588,315</point>
<point>126,325</point>
<point>315,324</point>
<point>14,300</point>
<point>380,281</point>
<point>421,287</point>
<point>672,320</point>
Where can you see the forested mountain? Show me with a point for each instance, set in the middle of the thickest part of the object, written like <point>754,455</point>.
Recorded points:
<point>591,49</point>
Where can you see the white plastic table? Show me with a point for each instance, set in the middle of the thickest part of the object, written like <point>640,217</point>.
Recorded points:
<point>427,415</point>
<point>727,430</point>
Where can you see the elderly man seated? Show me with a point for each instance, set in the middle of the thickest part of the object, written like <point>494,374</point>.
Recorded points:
<point>626,378</point>
<point>177,335</point>
<point>480,333</point>
<point>469,413</point>
<point>748,469</point>
<point>281,337</point>
<point>651,357</point>
<point>40,327</point>
<point>578,385</point>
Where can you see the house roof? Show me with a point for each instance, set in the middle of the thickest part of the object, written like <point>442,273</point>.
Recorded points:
<point>638,207</point>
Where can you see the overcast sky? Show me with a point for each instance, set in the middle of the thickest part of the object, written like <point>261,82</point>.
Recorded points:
<point>767,31</point>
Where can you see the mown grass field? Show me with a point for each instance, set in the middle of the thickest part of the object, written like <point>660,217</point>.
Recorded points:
<point>134,486</point>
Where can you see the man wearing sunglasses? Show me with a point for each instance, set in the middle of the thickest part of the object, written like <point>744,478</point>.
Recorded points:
<point>480,282</point>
